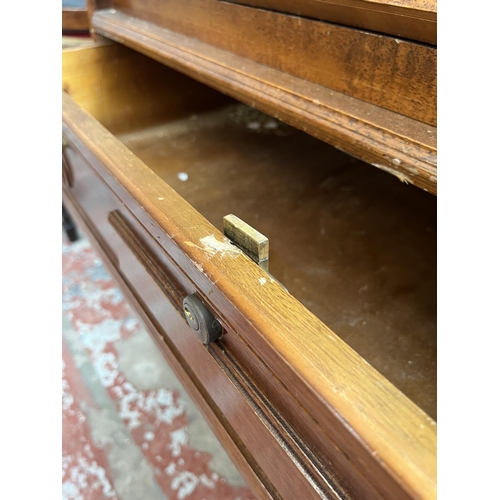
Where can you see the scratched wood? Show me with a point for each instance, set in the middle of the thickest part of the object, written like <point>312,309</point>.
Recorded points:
<point>377,429</point>
<point>251,241</point>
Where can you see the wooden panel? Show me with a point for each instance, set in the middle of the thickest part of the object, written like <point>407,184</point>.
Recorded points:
<point>190,381</point>
<point>391,73</point>
<point>75,19</point>
<point>234,401</point>
<point>125,90</point>
<point>354,245</point>
<point>92,6</point>
<point>380,431</point>
<point>396,144</point>
<point>412,19</point>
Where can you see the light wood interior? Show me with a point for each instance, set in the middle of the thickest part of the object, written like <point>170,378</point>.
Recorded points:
<point>355,245</point>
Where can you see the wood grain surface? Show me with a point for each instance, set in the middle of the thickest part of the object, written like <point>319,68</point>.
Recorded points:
<point>380,431</point>
<point>391,73</point>
<point>412,19</point>
<point>126,91</point>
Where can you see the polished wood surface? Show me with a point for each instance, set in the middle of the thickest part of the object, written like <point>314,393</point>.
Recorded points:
<point>378,430</point>
<point>412,19</point>
<point>396,144</point>
<point>391,73</point>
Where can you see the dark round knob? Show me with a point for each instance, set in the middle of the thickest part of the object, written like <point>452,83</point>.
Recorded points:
<point>201,320</point>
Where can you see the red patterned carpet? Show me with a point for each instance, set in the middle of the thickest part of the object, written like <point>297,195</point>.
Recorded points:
<point>129,429</point>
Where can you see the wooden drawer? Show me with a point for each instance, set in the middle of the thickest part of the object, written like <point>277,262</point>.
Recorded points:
<point>370,95</point>
<point>153,161</point>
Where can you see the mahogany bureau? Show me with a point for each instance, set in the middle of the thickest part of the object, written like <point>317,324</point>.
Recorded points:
<point>187,124</point>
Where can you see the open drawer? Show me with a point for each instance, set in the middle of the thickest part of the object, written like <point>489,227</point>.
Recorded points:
<point>152,162</point>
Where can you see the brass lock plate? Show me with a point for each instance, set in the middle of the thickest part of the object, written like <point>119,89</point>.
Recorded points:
<point>248,239</point>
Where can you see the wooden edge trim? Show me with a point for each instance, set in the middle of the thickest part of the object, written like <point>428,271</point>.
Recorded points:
<point>304,459</point>
<point>395,433</point>
<point>394,143</point>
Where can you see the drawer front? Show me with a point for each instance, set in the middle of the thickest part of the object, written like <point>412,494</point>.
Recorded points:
<point>243,414</point>
<point>301,413</point>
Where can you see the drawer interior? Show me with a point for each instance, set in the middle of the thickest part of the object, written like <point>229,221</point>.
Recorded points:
<point>355,245</point>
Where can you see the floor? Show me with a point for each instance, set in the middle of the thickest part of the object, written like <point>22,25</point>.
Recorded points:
<point>130,431</point>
